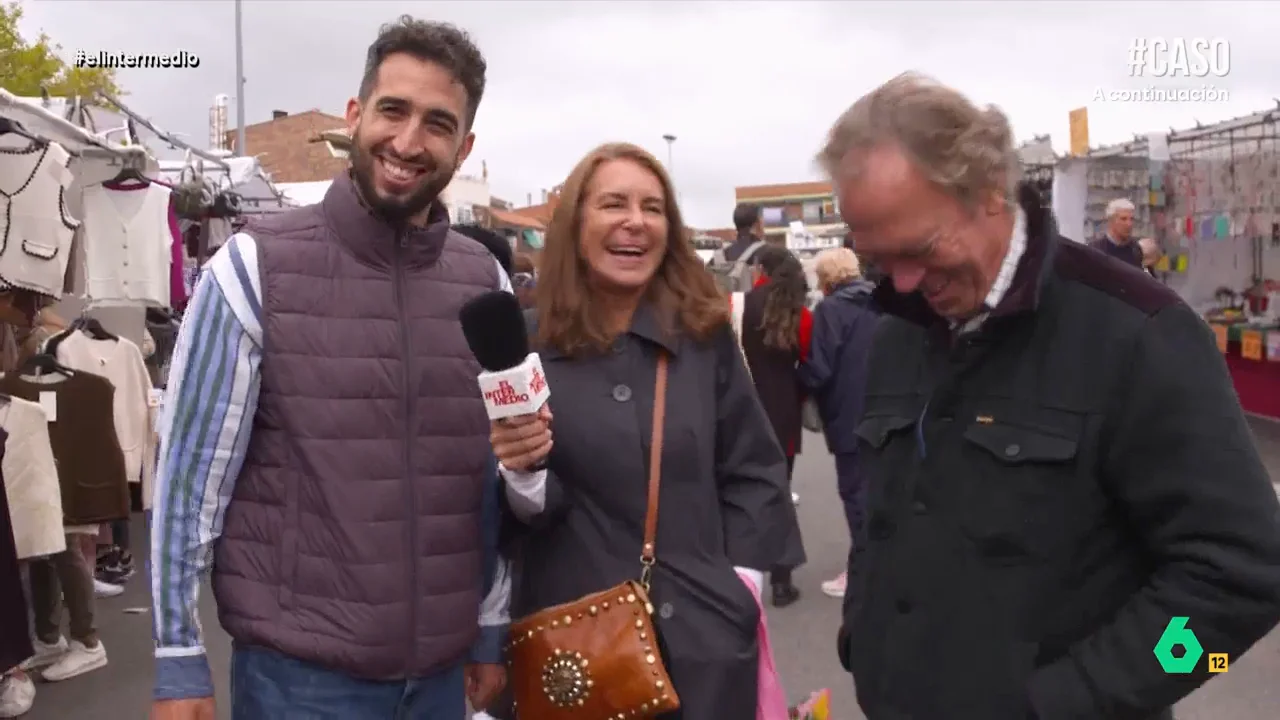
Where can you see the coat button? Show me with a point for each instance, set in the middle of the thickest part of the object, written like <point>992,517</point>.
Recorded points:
<point>666,611</point>
<point>618,346</point>
<point>919,508</point>
<point>621,393</point>
<point>1013,450</point>
<point>902,606</point>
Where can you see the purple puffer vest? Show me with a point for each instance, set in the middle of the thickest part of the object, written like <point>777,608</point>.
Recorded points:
<point>353,537</point>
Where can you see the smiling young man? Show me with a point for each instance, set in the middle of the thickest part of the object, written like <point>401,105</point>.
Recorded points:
<point>1056,459</point>
<point>322,443</point>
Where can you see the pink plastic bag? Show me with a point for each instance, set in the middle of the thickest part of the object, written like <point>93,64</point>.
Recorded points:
<point>772,702</point>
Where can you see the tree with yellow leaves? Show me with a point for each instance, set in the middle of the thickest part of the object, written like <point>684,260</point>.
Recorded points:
<point>27,67</point>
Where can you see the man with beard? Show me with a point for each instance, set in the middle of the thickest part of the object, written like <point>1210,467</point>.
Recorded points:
<point>322,442</point>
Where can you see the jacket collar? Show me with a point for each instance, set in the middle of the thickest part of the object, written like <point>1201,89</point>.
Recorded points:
<point>372,239</point>
<point>1023,296</point>
<point>646,323</point>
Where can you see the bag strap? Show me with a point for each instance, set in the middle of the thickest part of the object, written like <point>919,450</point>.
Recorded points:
<point>751,250</point>
<point>655,472</point>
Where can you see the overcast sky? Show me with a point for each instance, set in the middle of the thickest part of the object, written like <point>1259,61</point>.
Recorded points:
<point>749,88</point>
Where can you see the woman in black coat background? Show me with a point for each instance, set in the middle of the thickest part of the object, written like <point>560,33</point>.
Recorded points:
<point>775,338</point>
<point>836,373</point>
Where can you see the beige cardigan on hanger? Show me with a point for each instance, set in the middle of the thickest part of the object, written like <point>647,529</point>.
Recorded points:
<point>31,480</point>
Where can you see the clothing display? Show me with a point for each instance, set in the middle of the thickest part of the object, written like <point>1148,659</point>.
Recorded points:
<point>31,480</point>
<point>128,244</point>
<point>15,642</point>
<point>35,229</point>
<point>121,363</point>
<point>91,467</point>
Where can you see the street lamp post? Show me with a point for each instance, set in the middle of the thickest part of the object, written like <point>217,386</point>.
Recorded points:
<point>240,148</point>
<point>671,168</point>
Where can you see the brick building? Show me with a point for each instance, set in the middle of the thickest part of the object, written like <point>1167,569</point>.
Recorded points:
<point>812,203</point>
<point>294,148</point>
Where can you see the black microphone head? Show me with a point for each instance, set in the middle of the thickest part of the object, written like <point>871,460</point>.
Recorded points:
<point>494,326</point>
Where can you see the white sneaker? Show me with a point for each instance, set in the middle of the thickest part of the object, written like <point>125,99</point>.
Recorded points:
<point>106,590</point>
<point>836,586</point>
<point>46,654</point>
<point>17,693</point>
<point>78,661</point>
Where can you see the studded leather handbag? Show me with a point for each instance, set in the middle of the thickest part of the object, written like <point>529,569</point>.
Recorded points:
<point>597,658</point>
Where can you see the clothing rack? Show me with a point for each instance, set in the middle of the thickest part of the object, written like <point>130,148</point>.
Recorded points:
<point>167,137</point>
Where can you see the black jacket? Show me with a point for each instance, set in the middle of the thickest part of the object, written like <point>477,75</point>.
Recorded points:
<point>1129,253</point>
<point>1046,493</point>
<point>836,371</point>
<point>722,503</point>
<point>773,372</point>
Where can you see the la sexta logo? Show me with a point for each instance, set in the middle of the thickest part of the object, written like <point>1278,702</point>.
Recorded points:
<point>504,395</point>
<point>538,383</point>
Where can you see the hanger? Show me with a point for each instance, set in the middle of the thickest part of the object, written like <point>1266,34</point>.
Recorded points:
<point>44,363</point>
<point>88,325</point>
<point>128,173</point>
<point>92,327</point>
<point>9,126</point>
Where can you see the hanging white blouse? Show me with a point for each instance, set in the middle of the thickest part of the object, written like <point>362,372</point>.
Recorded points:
<point>31,480</point>
<point>35,228</point>
<point>127,245</point>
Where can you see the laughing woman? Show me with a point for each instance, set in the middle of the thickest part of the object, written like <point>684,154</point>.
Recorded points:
<point>620,287</point>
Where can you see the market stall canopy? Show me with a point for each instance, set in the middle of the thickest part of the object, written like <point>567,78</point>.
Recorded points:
<point>242,175</point>
<point>50,122</point>
<point>305,193</point>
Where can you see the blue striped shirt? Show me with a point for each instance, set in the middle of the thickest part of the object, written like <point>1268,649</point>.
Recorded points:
<point>204,427</point>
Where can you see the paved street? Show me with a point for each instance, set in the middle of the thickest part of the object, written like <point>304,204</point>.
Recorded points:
<point>802,633</point>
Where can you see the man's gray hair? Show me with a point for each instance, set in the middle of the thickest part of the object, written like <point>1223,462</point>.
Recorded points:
<point>1118,205</point>
<point>965,150</point>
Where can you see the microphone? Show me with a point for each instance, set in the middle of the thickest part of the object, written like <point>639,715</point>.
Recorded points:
<point>512,382</point>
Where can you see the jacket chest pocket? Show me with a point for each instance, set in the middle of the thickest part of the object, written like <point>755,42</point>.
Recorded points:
<point>885,455</point>
<point>1017,487</point>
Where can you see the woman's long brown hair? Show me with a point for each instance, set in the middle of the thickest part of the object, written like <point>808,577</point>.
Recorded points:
<point>785,296</point>
<point>684,293</point>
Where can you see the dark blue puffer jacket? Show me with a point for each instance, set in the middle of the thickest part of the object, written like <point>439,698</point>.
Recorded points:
<point>836,371</point>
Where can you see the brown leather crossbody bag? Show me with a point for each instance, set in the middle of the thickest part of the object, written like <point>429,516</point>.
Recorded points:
<point>597,658</point>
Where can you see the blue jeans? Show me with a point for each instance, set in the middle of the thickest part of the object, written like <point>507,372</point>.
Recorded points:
<point>266,685</point>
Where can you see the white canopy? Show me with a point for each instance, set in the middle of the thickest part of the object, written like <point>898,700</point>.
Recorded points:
<point>48,123</point>
<point>305,193</point>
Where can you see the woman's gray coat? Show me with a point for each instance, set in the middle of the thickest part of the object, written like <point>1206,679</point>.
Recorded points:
<point>722,498</point>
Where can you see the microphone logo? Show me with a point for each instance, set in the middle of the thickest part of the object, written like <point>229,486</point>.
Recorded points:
<point>505,394</point>
<point>537,383</point>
